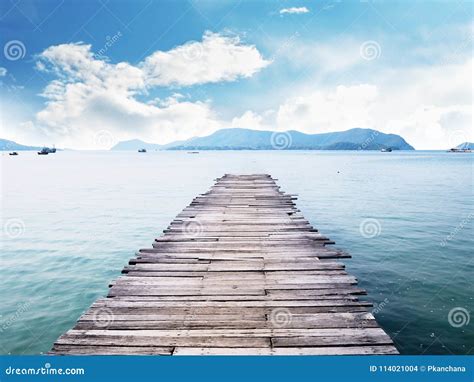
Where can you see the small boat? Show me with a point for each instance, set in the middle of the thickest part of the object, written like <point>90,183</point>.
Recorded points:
<point>142,151</point>
<point>193,152</point>
<point>44,151</point>
<point>13,153</point>
<point>387,150</point>
<point>456,150</point>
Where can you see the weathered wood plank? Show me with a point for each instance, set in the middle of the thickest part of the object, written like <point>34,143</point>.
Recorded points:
<point>111,350</point>
<point>334,350</point>
<point>121,340</point>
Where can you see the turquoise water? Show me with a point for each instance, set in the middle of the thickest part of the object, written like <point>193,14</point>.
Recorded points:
<point>72,220</point>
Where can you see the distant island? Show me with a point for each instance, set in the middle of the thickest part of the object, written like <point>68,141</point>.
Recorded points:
<point>246,139</point>
<point>6,145</point>
<point>136,144</point>
<point>465,146</point>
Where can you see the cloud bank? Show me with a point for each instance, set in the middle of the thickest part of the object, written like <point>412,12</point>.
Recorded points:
<point>91,98</point>
<point>294,10</point>
<point>430,107</point>
<point>91,94</point>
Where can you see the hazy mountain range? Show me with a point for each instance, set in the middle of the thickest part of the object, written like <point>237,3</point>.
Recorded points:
<point>466,146</point>
<point>246,139</point>
<point>6,145</point>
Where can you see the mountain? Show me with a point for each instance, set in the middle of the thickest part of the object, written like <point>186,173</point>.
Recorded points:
<point>136,144</point>
<point>6,145</point>
<point>245,139</point>
<point>466,146</point>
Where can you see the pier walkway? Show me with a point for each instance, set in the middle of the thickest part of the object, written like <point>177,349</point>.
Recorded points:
<point>239,271</point>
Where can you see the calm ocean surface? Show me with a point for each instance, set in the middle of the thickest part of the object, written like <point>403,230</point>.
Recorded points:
<point>72,220</point>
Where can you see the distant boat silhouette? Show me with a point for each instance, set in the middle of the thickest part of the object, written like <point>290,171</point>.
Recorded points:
<point>13,153</point>
<point>47,150</point>
<point>387,150</point>
<point>457,150</point>
<point>142,151</point>
<point>44,151</point>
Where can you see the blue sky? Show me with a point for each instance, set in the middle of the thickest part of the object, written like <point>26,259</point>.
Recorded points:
<point>86,74</point>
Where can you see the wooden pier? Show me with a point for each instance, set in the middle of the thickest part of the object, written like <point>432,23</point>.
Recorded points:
<point>239,271</point>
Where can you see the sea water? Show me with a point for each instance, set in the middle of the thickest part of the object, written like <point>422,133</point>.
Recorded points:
<point>72,220</point>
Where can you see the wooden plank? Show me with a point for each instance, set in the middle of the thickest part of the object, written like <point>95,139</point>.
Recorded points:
<point>334,350</point>
<point>236,311</point>
<point>285,333</point>
<point>222,351</point>
<point>342,301</point>
<point>343,340</point>
<point>110,350</point>
<point>120,340</point>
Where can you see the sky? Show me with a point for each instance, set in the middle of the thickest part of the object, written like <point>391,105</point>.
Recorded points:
<point>88,74</point>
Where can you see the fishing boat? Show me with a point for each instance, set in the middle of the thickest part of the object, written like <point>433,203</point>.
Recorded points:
<point>387,150</point>
<point>44,151</point>
<point>47,150</point>
<point>456,150</point>
<point>13,153</point>
<point>142,151</point>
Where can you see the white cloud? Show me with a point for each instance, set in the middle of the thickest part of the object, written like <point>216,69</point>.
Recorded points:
<point>321,111</point>
<point>3,72</point>
<point>430,107</point>
<point>317,57</point>
<point>217,58</point>
<point>90,94</point>
<point>251,120</point>
<point>434,127</point>
<point>294,10</point>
